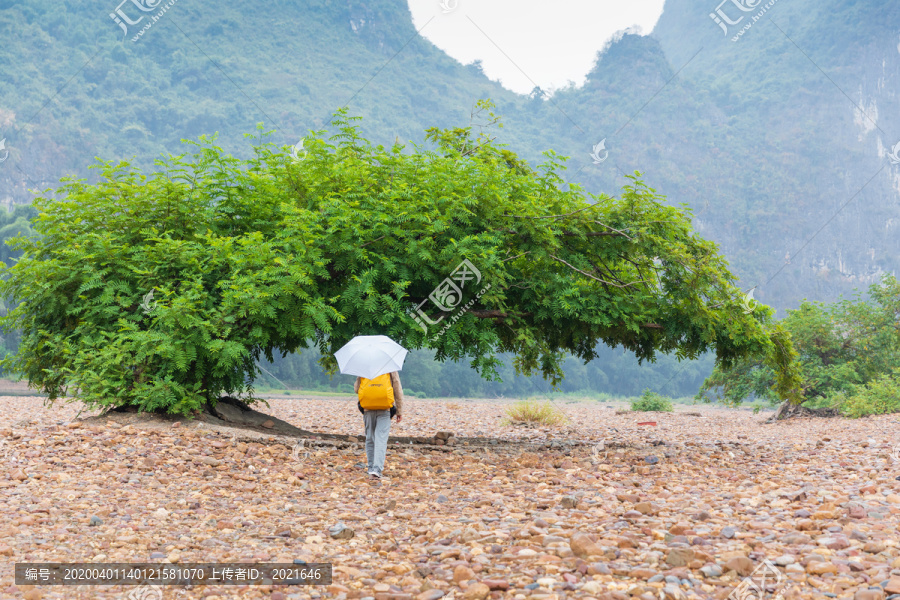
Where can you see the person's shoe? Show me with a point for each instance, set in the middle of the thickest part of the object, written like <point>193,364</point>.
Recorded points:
<point>360,465</point>
<point>375,474</point>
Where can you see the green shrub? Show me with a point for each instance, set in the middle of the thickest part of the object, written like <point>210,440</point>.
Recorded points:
<point>878,397</point>
<point>529,411</point>
<point>652,402</point>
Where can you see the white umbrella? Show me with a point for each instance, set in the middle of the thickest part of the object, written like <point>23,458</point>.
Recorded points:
<point>370,356</point>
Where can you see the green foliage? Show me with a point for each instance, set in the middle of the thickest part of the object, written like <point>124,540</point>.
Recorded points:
<point>248,258</point>
<point>538,413</point>
<point>880,396</point>
<point>843,348</point>
<point>652,402</point>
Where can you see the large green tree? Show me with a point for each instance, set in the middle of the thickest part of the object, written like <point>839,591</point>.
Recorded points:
<point>340,238</point>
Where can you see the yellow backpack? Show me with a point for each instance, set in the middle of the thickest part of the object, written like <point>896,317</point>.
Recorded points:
<point>376,394</point>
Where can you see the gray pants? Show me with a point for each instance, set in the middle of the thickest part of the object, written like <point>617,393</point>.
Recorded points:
<point>378,427</point>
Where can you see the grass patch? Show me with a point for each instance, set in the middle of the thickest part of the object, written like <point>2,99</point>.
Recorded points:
<point>538,413</point>
<point>652,402</point>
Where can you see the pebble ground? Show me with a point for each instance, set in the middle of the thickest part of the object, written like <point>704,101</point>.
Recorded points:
<point>686,508</point>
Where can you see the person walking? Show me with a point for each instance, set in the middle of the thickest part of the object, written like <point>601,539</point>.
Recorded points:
<point>380,399</point>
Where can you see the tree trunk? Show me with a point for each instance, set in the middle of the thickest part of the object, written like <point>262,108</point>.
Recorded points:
<point>788,411</point>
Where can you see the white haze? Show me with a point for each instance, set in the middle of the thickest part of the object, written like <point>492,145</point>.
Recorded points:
<point>524,43</point>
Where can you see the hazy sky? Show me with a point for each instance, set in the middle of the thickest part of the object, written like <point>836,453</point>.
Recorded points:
<point>548,42</point>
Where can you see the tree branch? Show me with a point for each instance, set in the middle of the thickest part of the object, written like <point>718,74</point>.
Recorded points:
<point>622,233</point>
<point>515,257</point>
<point>613,233</point>
<point>596,233</point>
<point>491,314</point>
<point>556,258</point>
<point>551,216</point>
<point>499,314</point>
<point>476,148</point>
<point>373,241</point>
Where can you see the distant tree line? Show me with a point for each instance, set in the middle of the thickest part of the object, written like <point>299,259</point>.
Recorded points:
<point>12,223</point>
<point>614,372</point>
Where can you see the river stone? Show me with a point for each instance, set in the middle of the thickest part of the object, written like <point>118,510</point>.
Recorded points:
<point>341,532</point>
<point>742,565</point>
<point>679,557</point>
<point>583,547</point>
